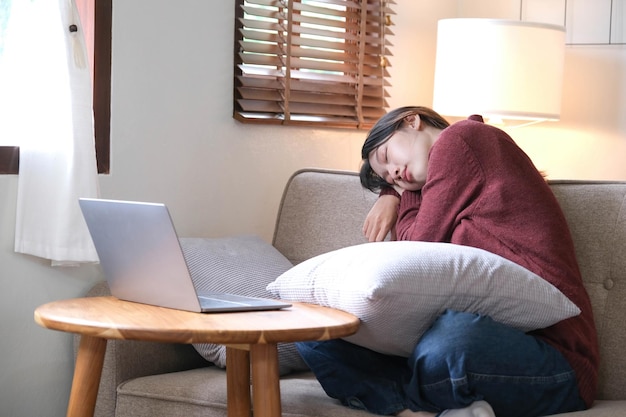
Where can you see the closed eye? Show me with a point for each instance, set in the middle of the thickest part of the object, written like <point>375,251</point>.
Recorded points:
<point>384,160</point>
<point>381,157</point>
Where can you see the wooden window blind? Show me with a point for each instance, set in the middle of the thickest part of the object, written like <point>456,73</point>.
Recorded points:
<point>312,62</point>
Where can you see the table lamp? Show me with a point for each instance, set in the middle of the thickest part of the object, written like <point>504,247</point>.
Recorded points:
<point>501,69</point>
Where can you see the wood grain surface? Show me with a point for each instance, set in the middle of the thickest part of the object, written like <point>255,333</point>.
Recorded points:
<point>111,318</point>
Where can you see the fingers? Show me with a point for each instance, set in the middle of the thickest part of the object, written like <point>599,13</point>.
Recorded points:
<point>381,218</point>
<point>375,231</point>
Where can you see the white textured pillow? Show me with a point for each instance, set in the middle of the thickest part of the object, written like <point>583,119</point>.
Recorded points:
<point>398,289</point>
<point>242,265</point>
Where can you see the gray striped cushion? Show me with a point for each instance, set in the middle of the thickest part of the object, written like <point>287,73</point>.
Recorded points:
<point>242,265</point>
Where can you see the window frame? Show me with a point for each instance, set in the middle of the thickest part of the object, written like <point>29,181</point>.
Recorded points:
<point>102,23</point>
<point>363,97</point>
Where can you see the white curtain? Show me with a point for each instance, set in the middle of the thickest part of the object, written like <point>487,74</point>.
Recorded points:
<point>46,109</point>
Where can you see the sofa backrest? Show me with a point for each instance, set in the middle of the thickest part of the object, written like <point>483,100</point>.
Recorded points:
<point>321,211</point>
<point>324,210</point>
<point>596,214</point>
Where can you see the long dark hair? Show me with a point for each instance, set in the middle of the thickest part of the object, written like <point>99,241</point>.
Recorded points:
<point>382,131</point>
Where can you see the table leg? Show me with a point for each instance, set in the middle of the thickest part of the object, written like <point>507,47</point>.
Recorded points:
<point>238,382</point>
<point>265,380</point>
<point>87,373</point>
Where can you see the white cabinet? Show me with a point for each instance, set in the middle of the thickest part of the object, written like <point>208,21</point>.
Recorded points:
<point>588,22</point>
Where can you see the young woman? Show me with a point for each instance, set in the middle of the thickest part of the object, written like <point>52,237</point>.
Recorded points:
<point>467,184</point>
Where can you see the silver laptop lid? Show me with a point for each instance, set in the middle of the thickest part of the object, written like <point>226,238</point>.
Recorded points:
<point>140,253</point>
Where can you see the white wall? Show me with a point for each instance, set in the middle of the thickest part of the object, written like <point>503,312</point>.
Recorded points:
<point>174,140</point>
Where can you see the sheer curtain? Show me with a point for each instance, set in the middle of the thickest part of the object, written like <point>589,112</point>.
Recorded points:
<point>46,109</point>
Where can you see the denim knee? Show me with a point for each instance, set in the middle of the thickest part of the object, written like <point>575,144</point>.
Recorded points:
<point>452,334</point>
<point>467,357</point>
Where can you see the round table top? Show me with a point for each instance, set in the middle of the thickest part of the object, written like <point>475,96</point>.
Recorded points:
<point>111,318</point>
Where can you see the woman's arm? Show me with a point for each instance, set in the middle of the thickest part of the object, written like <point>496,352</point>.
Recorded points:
<point>454,181</point>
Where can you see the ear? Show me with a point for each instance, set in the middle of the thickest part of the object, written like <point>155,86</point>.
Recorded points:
<point>413,121</point>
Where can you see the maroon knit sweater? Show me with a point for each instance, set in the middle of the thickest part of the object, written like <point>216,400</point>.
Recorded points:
<point>483,191</point>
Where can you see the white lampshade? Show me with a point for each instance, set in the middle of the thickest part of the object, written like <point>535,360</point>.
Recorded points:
<point>502,69</point>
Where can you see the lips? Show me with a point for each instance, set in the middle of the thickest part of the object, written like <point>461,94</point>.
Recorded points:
<point>406,175</point>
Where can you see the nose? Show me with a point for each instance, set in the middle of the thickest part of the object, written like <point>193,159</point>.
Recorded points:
<point>394,174</point>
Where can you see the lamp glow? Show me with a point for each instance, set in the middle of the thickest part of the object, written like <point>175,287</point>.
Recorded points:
<point>501,69</point>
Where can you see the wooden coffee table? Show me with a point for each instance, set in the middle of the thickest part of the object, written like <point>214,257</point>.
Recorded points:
<point>250,339</point>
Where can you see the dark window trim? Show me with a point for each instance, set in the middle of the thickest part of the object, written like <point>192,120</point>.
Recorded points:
<point>9,159</point>
<point>9,155</point>
<point>102,83</point>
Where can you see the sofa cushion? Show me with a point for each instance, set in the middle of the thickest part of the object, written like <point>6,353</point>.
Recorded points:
<point>241,265</point>
<point>202,393</point>
<point>397,289</point>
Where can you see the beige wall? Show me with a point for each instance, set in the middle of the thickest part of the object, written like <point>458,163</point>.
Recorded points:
<point>173,140</point>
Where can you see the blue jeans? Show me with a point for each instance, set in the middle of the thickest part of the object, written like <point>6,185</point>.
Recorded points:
<point>462,358</point>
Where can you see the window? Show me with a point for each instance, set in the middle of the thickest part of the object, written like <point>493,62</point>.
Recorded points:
<point>311,62</point>
<point>99,22</point>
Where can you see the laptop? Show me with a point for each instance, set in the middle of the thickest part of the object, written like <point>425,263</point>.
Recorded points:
<point>143,261</point>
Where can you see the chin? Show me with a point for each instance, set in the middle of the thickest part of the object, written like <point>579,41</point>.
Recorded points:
<point>413,188</point>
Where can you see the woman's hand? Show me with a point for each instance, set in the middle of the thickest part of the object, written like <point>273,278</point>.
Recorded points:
<point>381,218</point>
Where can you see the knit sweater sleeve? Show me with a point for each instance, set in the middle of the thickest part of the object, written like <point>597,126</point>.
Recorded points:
<point>452,189</point>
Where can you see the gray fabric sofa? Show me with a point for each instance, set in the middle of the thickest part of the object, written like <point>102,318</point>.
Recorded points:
<point>322,211</point>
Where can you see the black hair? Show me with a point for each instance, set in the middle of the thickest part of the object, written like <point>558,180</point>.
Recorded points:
<point>382,131</point>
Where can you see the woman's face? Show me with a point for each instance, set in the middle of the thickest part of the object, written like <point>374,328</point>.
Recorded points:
<point>402,160</point>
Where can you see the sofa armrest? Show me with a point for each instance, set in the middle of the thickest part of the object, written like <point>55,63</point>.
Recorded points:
<point>127,359</point>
